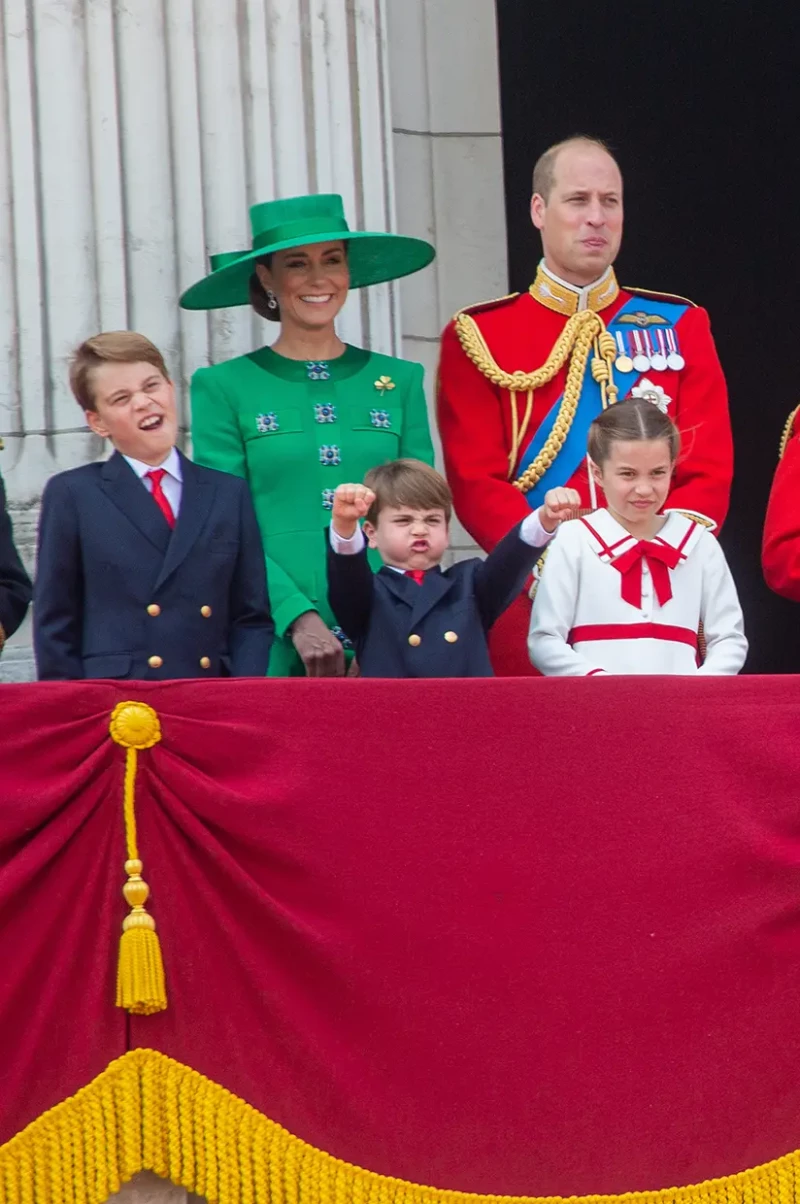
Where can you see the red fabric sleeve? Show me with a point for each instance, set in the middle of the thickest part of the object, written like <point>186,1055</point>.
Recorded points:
<point>780,551</point>
<point>475,448</point>
<point>705,466</point>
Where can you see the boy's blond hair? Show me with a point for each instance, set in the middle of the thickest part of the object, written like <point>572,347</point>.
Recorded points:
<point>408,483</point>
<point>114,347</point>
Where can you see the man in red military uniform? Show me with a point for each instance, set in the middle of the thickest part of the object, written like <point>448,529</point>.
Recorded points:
<point>780,550</point>
<point>521,378</point>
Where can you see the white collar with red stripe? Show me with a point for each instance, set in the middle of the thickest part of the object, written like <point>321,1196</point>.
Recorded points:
<point>610,539</point>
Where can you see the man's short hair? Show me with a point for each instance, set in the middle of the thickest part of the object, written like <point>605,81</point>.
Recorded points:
<point>544,172</point>
<point>408,483</point>
<point>114,347</point>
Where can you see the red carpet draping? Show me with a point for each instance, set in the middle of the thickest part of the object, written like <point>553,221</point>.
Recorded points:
<point>502,936</point>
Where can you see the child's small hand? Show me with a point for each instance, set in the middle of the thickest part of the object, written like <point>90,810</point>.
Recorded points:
<point>350,503</point>
<point>559,504</point>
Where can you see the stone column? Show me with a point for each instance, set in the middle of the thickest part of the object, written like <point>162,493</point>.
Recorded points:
<point>446,136</point>
<point>133,138</point>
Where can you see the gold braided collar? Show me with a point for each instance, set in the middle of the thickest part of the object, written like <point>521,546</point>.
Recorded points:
<point>567,299</point>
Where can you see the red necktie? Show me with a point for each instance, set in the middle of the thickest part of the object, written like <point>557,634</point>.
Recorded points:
<point>156,475</point>
<point>660,557</point>
<point>417,575</point>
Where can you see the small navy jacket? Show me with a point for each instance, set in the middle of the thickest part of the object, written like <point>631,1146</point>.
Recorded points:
<point>436,629</point>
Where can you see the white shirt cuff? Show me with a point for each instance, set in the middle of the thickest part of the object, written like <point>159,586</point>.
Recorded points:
<point>532,532</point>
<point>347,547</point>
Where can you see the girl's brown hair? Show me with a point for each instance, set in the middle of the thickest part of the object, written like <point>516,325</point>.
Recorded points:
<point>631,421</point>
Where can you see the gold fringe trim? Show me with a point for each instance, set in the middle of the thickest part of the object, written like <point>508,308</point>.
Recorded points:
<point>141,988</point>
<point>583,333</point>
<point>148,1112</point>
<point>788,430</point>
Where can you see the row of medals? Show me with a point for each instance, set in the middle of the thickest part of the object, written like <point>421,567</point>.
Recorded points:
<point>645,357</point>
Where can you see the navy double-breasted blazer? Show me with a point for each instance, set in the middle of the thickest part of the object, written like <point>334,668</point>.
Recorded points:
<point>436,629</point>
<point>119,594</point>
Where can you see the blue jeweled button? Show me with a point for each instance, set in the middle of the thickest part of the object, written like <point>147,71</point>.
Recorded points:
<point>327,499</point>
<point>325,413</point>
<point>381,418</point>
<point>265,423</point>
<point>344,640</point>
<point>330,455</point>
<point>317,370</point>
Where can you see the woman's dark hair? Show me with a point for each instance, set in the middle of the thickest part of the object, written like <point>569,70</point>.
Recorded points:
<point>258,294</point>
<point>631,421</point>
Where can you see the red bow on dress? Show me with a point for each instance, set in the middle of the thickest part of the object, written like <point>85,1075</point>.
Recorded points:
<point>660,557</point>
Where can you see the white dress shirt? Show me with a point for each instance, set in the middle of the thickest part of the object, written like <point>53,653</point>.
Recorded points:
<point>172,484</point>
<point>531,532</point>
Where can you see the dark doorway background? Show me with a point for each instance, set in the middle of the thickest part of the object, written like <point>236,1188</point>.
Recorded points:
<point>701,104</point>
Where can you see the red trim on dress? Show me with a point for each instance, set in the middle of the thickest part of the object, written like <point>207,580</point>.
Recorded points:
<point>632,631</point>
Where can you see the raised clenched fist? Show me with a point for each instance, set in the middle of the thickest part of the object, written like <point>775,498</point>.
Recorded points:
<point>350,503</point>
<point>559,504</point>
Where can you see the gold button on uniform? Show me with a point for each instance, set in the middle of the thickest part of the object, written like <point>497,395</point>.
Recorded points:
<point>205,662</point>
<point>205,611</point>
<point>155,662</point>
<point>451,637</point>
<point>154,609</point>
<point>415,640</point>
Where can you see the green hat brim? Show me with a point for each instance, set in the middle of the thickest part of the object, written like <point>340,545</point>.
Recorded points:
<point>372,259</point>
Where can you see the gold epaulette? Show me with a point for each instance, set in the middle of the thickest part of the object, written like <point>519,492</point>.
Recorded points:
<point>788,431</point>
<point>480,306</point>
<point>648,292</point>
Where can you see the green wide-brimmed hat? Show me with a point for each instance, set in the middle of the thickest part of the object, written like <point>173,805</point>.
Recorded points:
<point>297,222</point>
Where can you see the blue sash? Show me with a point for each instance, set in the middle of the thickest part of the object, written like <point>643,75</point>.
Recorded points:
<point>590,404</point>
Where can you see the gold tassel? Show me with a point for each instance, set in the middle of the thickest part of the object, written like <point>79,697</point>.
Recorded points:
<point>141,988</point>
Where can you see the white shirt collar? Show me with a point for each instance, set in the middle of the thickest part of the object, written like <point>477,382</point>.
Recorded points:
<point>171,465</point>
<point>581,293</point>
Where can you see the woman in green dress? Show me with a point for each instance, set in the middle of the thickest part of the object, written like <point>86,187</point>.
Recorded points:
<point>298,418</point>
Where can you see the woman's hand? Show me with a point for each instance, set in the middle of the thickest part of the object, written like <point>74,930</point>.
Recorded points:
<point>318,648</point>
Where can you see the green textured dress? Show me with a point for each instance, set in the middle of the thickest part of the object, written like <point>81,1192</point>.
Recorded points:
<point>295,431</point>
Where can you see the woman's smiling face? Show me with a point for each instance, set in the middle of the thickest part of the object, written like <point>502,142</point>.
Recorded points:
<point>310,283</point>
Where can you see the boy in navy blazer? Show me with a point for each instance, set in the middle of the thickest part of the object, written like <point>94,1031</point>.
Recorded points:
<point>149,566</point>
<point>411,619</point>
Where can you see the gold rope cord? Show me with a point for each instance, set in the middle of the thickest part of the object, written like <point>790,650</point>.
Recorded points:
<point>787,431</point>
<point>141,989</point>
<point>149,1112</point>
<point>583,332</point>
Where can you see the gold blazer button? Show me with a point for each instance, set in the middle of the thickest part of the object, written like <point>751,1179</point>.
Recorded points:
<point>451,637</point>
<point>205,662</point>
<point>415,640</point>
<point>155,662</point>
<point>205,611</point>
<point>154,609</point>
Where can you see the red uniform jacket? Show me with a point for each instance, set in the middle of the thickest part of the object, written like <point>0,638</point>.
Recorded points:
<point>780,551</point>
<point>475,425</point>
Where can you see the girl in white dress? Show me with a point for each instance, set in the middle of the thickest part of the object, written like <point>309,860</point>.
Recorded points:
<point>625,589</point>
